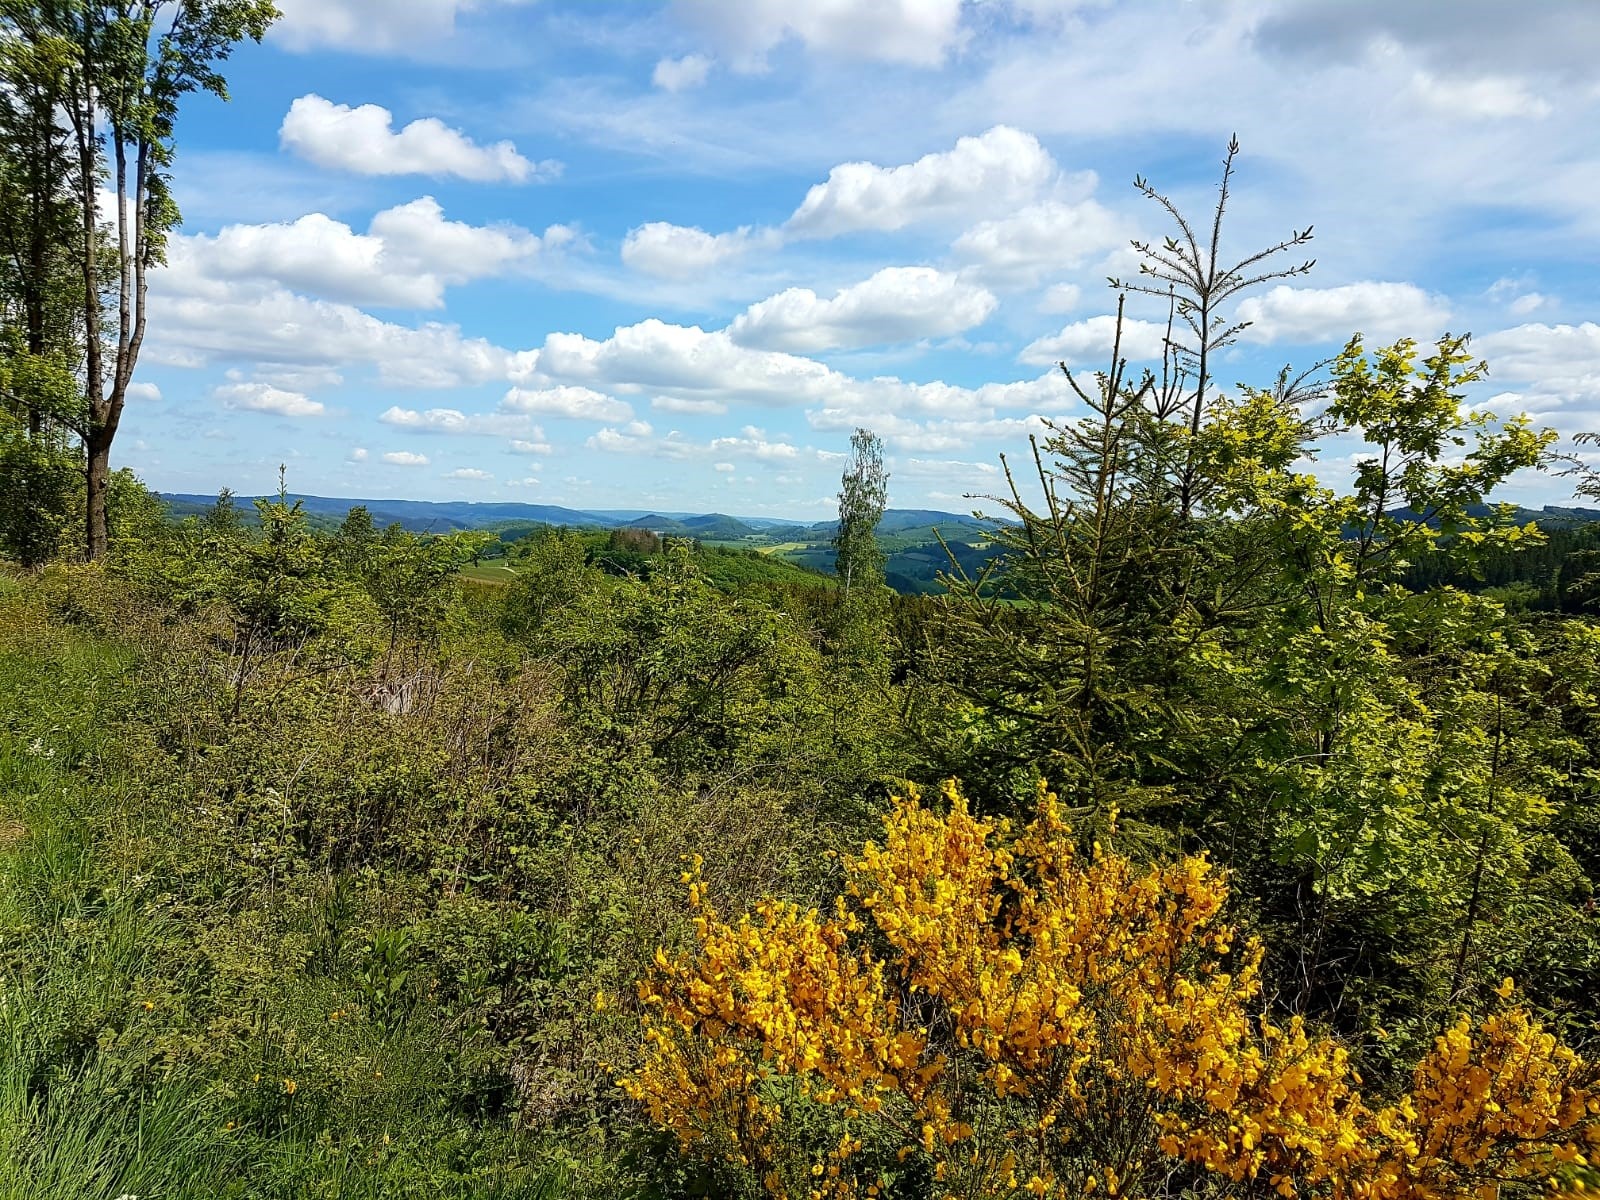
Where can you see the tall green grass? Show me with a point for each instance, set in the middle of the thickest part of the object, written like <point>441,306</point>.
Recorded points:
<point>89,1109</point>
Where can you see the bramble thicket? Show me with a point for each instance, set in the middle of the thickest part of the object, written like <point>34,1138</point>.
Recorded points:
<point>1216,831</point>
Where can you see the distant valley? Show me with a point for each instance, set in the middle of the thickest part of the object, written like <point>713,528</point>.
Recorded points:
<point>910,537</point>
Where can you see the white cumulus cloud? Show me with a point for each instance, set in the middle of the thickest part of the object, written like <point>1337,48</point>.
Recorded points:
<point>1377,311</point>
<point>897,304</point>
<point>472,473</point>
<point>408,257</point>
<point>578,403</point>
<point>1001,168</point>
<point>405,458</point>
<point>1091,342</point>
<point>1041,240</point>
<point>680,360</point>
<point>682,251</point>
<point>363,140</point>
<point>686,368</point>
<point>196,323</point>
<point>261,397</point>
<point>1556,366</point>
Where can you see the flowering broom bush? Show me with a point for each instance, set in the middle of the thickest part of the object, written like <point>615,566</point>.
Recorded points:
<point>987,1013</point>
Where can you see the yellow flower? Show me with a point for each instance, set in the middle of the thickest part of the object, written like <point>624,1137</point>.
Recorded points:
<point>1061,979</point>
<point>289,1087</point>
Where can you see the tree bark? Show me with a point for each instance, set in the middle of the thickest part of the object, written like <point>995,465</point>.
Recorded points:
<point>98,446</point>
<point>97,430</point>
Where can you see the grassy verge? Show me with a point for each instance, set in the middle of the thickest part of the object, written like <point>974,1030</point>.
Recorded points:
<point>123,1071</point>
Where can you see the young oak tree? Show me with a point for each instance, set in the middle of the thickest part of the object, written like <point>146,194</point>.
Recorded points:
<point>121,69</point>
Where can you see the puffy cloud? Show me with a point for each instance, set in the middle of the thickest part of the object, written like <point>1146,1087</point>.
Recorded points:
<point>1558,367</point>
<point>362,140</point>
<point>534,443</point>
<point>454,421</point>
<point>754,443</point>
<point>407,258</point>
<point>1092,341</point>
<point>682,361</point>
<point>1041,240</point>
<point>358,454</point>
<point>405,458</point>
<point>144,393</point>
<point>1378,311</point>
<point>1001,168</point>
<point>472,473</point>
<point>686,363</point>
<point>633,438</point>
<point>417,235</point>
<point>261,397</point>
<point>314,253</point>
<point>681,74</point>
<point>682,252</point>
<point>277,327</point>
<point>897,304</point>
<point>916,32</point>
<point>578,403</point>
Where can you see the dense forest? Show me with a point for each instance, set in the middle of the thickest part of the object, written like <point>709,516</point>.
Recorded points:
<point>1218,831</point>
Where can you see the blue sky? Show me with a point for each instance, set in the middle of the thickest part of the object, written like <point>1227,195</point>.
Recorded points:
<point>670,255</point>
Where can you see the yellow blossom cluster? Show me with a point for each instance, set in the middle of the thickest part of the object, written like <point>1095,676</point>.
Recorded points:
<point>997,1015</point>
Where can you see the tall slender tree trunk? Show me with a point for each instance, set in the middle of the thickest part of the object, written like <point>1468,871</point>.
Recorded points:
<point>97,431</point>
<point>98,446</point>
<point>33,296</point>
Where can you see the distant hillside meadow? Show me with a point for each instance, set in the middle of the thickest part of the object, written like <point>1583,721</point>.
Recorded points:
<point>909,537</point>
